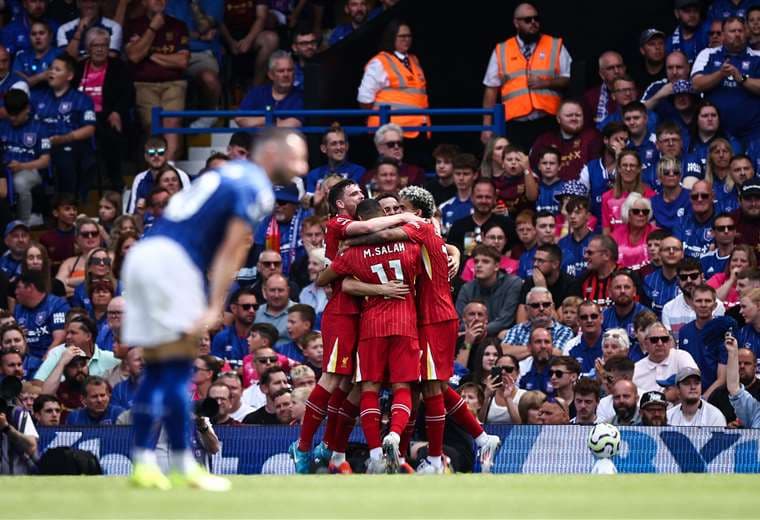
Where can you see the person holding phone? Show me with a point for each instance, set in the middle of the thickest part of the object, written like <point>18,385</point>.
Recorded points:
<point>502,396</point>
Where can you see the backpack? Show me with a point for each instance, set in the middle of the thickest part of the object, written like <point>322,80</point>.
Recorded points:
<point>65,460</point>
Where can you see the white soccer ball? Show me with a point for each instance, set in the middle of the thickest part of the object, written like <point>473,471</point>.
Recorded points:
<point>604,441</point>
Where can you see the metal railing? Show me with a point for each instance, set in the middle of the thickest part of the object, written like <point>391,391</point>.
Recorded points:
<point>384,112</point>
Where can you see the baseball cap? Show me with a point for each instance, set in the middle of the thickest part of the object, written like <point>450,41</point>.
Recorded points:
<point>670,381</point>
<point>286,193</point>
<point>648,34</point>
<point>13,225</point>
<point>572,189</point>
<point>680,4</point>
<point>683,86</point>
<point>653,397</point>
<point>687,372</point>
<point>751,187</point>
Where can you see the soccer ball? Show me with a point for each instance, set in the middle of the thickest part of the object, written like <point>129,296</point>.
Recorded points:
<point>604,441</point>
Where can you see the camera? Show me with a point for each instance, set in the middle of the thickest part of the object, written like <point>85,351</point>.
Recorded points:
<point>206,408</point>
<point>10,389</point>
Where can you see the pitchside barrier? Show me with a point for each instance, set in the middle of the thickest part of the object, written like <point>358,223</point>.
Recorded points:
<point>525,449</point>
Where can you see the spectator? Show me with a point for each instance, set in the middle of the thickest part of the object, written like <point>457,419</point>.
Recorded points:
<point>670,206</point>
<point>516,187</point>
<point>529,113</point>
<point>570,139</point>
<point>71,35</point>
<point>502,396</point>
<point>640,138</point>
<point>680,309</point>
<point>493,156</point>
<point>301,319</point>
<point>615,369</point>
<point>547,273</point>
<point>753,26</point>
<point>631,237</point>
<point>741,171</point>
<point>693,410</point>
<point>574,244</point>
<point>625,92</point>
<point>661,286</point>
<point>695,228</point>
<point>625,306</point>
<point>111,331</point>
<point>749,335</point>
<point>247,41</point>
<point>237,409</point>
<point>124,392</point>
<point>335,147</point>
<point>205,370</point>
<point>60,238</point>
<point>16,35</point>
<point>443,187</point>
<point>47,411</point>
<point>706,130</point>
<point>280,95</point>
<point>32,65</point>
<point>98,409</point>
<point>474,324</point>
<point>601,257</point>
<point>499,290</point>
<point>586,347</point>
<point>653,409</point>
<point>12,338</point>
<point>231,344</point>
<point>98,269</point>
<point>282,230</point>
<point>554,411</point>
<point>625,401</point>
<point>724,236</point>
<point>274,311</point>
<point>598,102</point>
<point>746,407</point>
<point>473,395</point>
<point>306,42</point>
<point>530,406</point>
<point>725,283</point>
<point>460,205</point>
<point>17,241</point>
<point>389,142</point>
<point>303,376</point>
<point>541,351</point>
<point>11,363</point>
<point>262,359</point>
<point>312,294</point>
<point>662,361</point>
<point>747,362</point>
<point>155,155</point>
<point>157,49</point>
<point>9,80</point>
<point>272,381</point>
<point>19,441</point>
<point>221,393</point>
<point>545,225</point>
<point>269,263</point>
<point>747,216</point>
<point>716,34</point>
<point>550,186</point>
<point>283,406</point>
<point>690,36</point>
<point>654,240</point>
<point>564,371</point>
<point>29,392</point>
<point>386,180</point>
<point>100,293</point>
<point>734,83</point>
<point>586,394</point>
<point>628,180</point>
<point>485,358</point>
<point>746,280</point>
<point>495,237</point>
<point>652,65</point>
<point>106,81</point>
<point>356,10</point>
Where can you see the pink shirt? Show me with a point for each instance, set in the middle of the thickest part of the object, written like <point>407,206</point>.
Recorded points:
<point>611,206</point>
<point>718,279</point>
<point>250,376</point>
<point>632,256</point>
<point>509,265</point>
<point>92,84</point>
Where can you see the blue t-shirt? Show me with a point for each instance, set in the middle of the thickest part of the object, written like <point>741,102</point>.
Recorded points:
<point>260,98</point>
<point>599,181</point>
<point>660,290</point>
<point>197,217</point>
<point>690,47</point>
<point>16,35</point>
<point>105,338</point>
<point>41,321</point>
<point>749,338</point>
<point>525,268</point>
<point>690,167</point>
<point>292,351</point>
<point>29,64</point>
<point>739,108</point>
<point>617,117</point>
<point>586,355</point>
<point>123,395</point>
<point>180,9</point>
<point>229,346</point>
<point>340,32</point>
<point>537,380</point>
<point>10,266</point>
<point>699,149</point>
<point>713,264</point>
<point>647,151</point>
<point>664,108</point>
<point>706,346</point>
<point>453,210</point>
<point>80,298</point>
<point>546,196</point>
<point>66,113</point>
<point>347,170</point>
<point>722,9</point>
<point>696,236</point>
<point>573,262</point>
<point>24,143</point>
<point>668,215</point>
<point>80,417</point>
<point>611,320</point>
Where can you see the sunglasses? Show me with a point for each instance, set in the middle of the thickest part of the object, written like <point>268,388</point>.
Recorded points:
<point>640,211</point>
<point>198,369</point>
<point>689,276</point>
<point>658,339</point>
<point>508,370</point>
<point>271,264</point>
<point>267,359</point>
<point>671,173</point>
<point>152,152</point>
<point>700,196</point>
<point>540,305</point>
<point>88,234</point>
<point>100,261</point>
<point>529,19</point>
<point>589,317</point>
<point>248,306</point>
<point>557,373</point>
<point>725,229</point>
<point>715,33</point>
<point>394,144</point>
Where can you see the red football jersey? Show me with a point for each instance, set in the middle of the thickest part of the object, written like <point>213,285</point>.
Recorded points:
<point>434,302</point>
<point>340,302</point>
<point>379,264</point>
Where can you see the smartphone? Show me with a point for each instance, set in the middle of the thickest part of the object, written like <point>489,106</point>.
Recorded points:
<point>496,375</point>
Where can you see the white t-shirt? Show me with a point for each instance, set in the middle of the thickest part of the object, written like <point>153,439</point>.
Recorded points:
<point>707,415</point>
<point>646,373</point>
<point>604,411</point>
<point>677,313</point>
<point>500,414</point>
<point>253,397</point>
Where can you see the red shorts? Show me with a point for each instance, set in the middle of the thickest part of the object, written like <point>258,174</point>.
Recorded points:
<point>438,343</point>
<point>339,336</point>
<point>391,359</point>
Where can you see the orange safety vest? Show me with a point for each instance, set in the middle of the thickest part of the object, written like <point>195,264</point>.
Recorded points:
<point>517,98</point>
<point>407,90</point>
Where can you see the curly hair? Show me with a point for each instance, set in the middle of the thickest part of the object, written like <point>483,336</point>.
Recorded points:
<point>420,198</point>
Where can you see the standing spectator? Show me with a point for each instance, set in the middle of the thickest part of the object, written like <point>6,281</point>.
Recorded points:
<point>690,36</point>
<point>248,43</point>
<point>601,256</point>
<point>443,187</point>
<point>695,228</point>
<point>275,310</point>
<point>653,409</point>
<point>532,97</point>
<point>721,10</point>
<point>281,94</point>
<point>157,49</point>
<point>335,147</point>
<point>124,392</point>
<point>16,35</point>
<point>586,393</point>
<point>730,77</point>
<point>679,310</point>
<point>106,81</point>
<point>625,307</point>
<point>724,235</point>
<point>32,65</point>
<point>693,409</point>
<point>577,145</point>
<point>155,153</point>
<point>304,46</point>
<point>357,11</point>
<point>586,347</point>
<point>663,359</point>
<point>98,409</point>
<point>652,65</point>
<point>231,343</point>
<point>272,381</point>
<point>598,102</point>
<point>460,205</point>
<point>631,237</point>
<point>71,35</point>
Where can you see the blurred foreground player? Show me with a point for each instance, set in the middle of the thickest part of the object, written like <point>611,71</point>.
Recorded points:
<point>205,229</point>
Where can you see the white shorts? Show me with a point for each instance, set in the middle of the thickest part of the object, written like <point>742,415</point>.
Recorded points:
<point>163,291</point>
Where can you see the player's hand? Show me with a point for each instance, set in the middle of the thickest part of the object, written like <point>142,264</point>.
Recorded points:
<point>394,289</point>
<point>453,265</point>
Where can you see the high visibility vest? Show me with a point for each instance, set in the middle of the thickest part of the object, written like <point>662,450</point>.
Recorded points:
<point>407,90</point>
<point>517,98</point>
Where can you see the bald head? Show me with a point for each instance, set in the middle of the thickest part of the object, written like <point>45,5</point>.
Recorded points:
<point>525,9</point>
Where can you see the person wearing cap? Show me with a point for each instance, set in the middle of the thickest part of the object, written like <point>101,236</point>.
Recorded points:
<point>690,35</point>
<point>652,65</point>
<point>281,231</point>
<point>531,70</point>
<point>747,216</point>
<point>658,96</point>
<point>729,76</point>
<point>693,410</point>
<point>653,409</point>
<point>66,380</point>
<point>598,102</point>
<point>17,241</point>
<point>662,361</point>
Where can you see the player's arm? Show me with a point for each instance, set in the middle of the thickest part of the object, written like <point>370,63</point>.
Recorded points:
<point>455,259</point>
<point>395,234</point>
<point>393,289</point>
<point>362,227</point>
<point>326,277</point>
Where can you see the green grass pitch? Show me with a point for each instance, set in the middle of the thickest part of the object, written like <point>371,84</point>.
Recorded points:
<point>399,496</point>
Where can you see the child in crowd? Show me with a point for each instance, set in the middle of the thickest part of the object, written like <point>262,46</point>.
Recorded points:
<point>442,187</point>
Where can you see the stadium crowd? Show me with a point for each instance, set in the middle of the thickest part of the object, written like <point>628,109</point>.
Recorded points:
<point>600,260</point>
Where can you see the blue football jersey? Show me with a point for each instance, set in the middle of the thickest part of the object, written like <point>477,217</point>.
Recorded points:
<point>41,321</point>
<point>71,111</point>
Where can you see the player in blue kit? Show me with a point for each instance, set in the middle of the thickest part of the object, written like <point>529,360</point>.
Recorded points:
<point>204,229</point>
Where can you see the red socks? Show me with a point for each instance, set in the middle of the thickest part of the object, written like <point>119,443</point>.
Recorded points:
<point>435,419</point>
<point>401,409</point>
<point>370,418</point>
<point>457,409</point>
<point>333,407</point>
<point>347,419</point>
<point>316,408</point>
<point>406,437</point>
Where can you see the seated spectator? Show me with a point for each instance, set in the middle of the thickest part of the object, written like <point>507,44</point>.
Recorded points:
<point>237,409</point>
<point>100,293</point>
<point>220,393</point>
<point>459,206</point>
<point>98,269</point>
<point>71,36</point>
<point>312,294</point>
<point>586,347</point>
<point>480,364</point>
<point>47,411</point>
<point>109,209</point>
<point>563,373</point>
<point>303,376</point>
<point>749,335</point>
<point>614,369</point>
<point>301,319</point>
<point>68,386</point>
<point>387,179</point>
<point>753,27</point>
<point>443,187</point>
<point>516,187</point>
<point>745,405</point>
<point>598,101</point>
<point>155,154</point>
<point>747,216</point>
<point>653,409</point>
<point>625,92</point>
<point>32,65</point>
<point>654,239</point>
<point>231,343</point>
<point>693,410</point>
<point>474,322</point>
<point>248,43</point>
<point>554,411</point>
<point>652,65</point>
<point>724,235</point>
<point>707,129</point>
<point>568,312</point>
<point>550,184</point>
<point>170,181</point>
<point>499,290</point>
<point>601,256</point>
<point>502,395</point>
<point>313,238</point>
<point>111,331</point>
<point>106,81</point>
<point>493,157</point>
<point>9,80</point>
<point>98,409</point>
<point>280,95</point>
<point>389,141</point>
<point>205,370</point>
<point>625,401</point>
<point>60,238</point>
<point>586,394</point>
<point>274,311</point>
<point>747,378</point>
<point>155,203</point>
<point>269,263</point>
<point>30,390</point>
<point>356,10</point>
<point>298,409</point>
<point>640,139</point>
<point>335,147</point>
<point>694,228</point>
<point>541,354</point>
<point>672,204</point>
<point>680,310</point>
<point>662,361</point>
<point>124,392</point>
<point>16,36</point>
<point>725,283</point>
<point>283,406</point>
<point>547,273</point>
<point>473,395</point>
<point>272,381</point>
<point>530,406</point>
<point>661,286</point>
<point>525,229</point>
<point>494,236</point>
<point>546,225</point>
<point>11,363</point>
<point>631,237</point>
<point>12,338</point>
<point>628,180</point>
